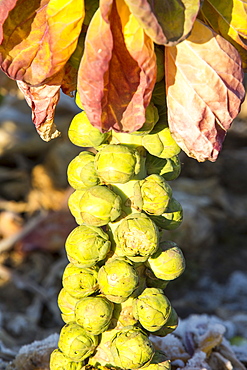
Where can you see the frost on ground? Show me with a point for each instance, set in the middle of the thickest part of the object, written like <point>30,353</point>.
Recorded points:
<point>35,355</point>
<point>199,343</point>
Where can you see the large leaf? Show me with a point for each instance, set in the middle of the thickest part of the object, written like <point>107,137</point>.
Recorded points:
<point>204,91</point>
<point>117,71</point>
<point>43,100</point>
<point>165,21</point>
<point>38,38</point>
<point>230,20</point>
<point>5,7</point>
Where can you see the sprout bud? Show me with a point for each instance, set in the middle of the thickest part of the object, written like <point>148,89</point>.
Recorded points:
<point>172,217</point>
<point>136,237</point>
<point>161,143</point>
<point>118,279</point>
<point>82,133</point>
<point>159,362</point>
<point>123,313</point>
<point>94,314</point>
<point>153,282</point>
<point>169,326</point>
<point>99,205</point>
<point>167,262</point>
<point>117,163</point>
<point>168,168</point>
<point>66,303</point>
<point>131,348</point>
<point>80,282</point>
<point>73,203</point>
<point>87,245</point>
<point>155,193</point>
<point>152,309</point>
<point>76,343</point>
<point>58,361</point>
<point>81,171</point>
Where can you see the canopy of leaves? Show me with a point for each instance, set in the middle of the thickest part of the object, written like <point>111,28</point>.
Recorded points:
<point>106,51</point>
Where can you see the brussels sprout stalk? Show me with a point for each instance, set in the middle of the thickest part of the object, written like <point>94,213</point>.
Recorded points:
<point>113,298</point>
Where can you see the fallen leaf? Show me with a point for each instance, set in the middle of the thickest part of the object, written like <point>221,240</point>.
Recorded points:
<point>38,37</point>
<point>205,89</point>
<point>230,21</point>
<point>166,22</point>
<point>117,71</point>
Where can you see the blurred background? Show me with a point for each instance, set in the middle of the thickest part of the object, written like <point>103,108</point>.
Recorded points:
<point>35,221</point>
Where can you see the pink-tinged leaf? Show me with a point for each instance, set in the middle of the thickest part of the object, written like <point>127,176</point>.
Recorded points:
<point>43,100</point>
<point>39,36</point>
<point>167,22</point>
<point>117,71</point>
<point>204,91</point>
<point>5,7</point>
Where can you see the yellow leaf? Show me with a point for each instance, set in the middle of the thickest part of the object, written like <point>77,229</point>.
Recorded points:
<point>39,37</point>
<point>229,20</point>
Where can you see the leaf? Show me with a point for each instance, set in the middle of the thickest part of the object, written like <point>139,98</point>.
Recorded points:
<point>69,82</point>
<point>230,21</point>
<point>204,91</point>
<point>166,22</point>
<point>117,71</point>
<point>43,100</point>
<point>38,38</point>
<point>6,7</point>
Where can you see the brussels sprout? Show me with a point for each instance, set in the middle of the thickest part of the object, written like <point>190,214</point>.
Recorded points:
<point>153,282</point>
<point>152,309</point>
<point>160,143</point>
<point>82,133</point>
<point>172,217</point>
<point>118,279</point>
<point>155,194</point>
<point>131,348</point>
<point>152,118</point>
<point>58,361</point>
<point>168,168</point>
<point>76,343</point>
<point>73,203</point>
<point>160,52</point>
<point>87,245</point>
<point>159,362</point>
<point>81,171</point>
<point>80,282</point>
<point>117,163</point>
<point>136,237</point>
<point>123,313</point>
<point>66,303</point>
<point>99,205</point>
<point>169,326</point>
<point>94,314</point>
<point>167,262</point>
